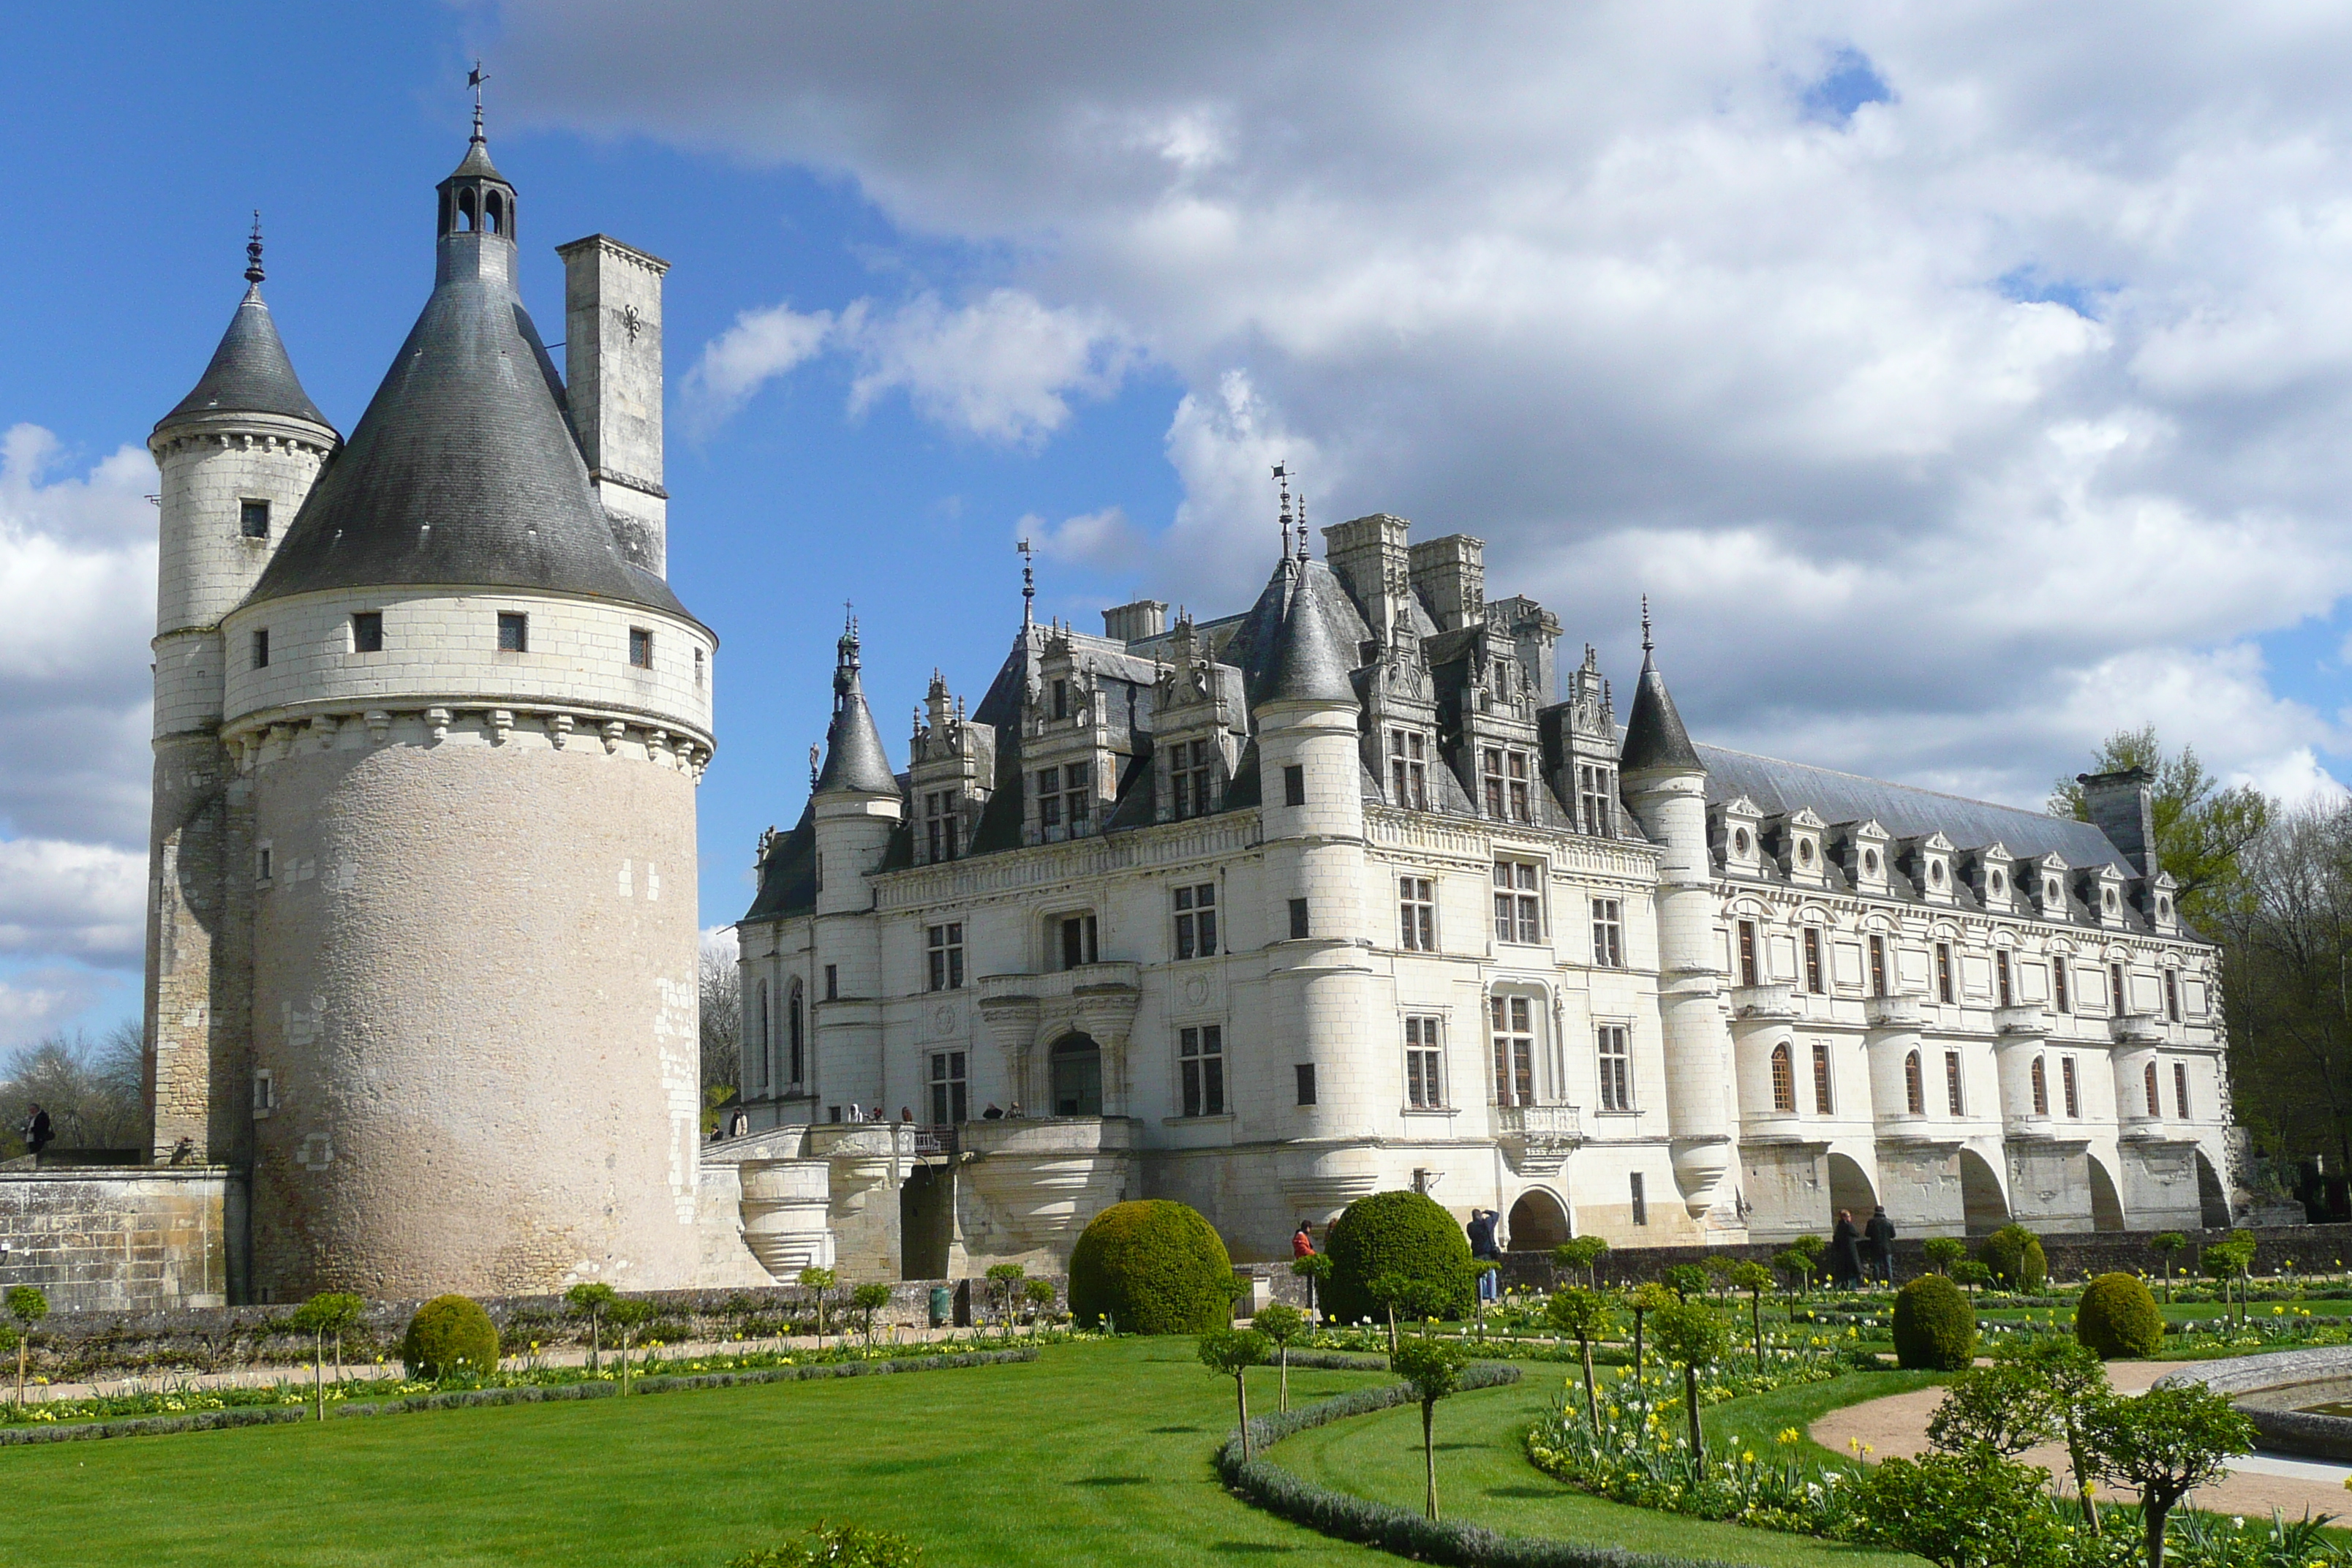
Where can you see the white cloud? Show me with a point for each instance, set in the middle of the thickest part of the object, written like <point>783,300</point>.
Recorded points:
<point>48,999</point>
<point>1951,428</point>
<point>1104,540</point>
<point>86,899</point>
<point>760,346</point>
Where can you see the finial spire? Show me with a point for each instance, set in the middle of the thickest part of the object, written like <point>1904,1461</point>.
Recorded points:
<point>1647,643</point>
<point>1028,584</point>
<point>1302,528</point>
<point>253,273</point>
<point>1282,477</point>
<point>816,763</point>
<point>475,79</point>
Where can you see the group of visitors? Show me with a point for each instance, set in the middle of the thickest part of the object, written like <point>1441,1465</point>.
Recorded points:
<point>1863,1255</point>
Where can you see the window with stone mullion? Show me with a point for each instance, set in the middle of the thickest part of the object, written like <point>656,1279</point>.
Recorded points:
<point>1409,769</point>
<point>1513,1028</point>
<point>1417,914</point>
<point>1192,770</point>
<point>1201,1061</point>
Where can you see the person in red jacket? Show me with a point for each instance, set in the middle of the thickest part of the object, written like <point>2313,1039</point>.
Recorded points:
<point>1303,1244</point>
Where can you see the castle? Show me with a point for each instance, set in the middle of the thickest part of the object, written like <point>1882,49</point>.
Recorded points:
<point>1357,890</point>
<point>422,935</point>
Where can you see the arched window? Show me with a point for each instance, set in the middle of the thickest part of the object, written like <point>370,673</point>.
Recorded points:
<point>2154,1106</point>
<point>2040,1089</point>
<point>1914,1093</point>
<point>493,213</point>
<point>794,1065</point>
<point>1784,1080</point>
<point>1822,1097</point>
<point>464,209</point>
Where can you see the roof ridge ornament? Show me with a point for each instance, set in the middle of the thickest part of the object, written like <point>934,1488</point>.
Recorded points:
<point>1028,584</point>
<point>475,79</point>
<point>253,273</point>
<point>1282,477</point>
<point>1648,644</point>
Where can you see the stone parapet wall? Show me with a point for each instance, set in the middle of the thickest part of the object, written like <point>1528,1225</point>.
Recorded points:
<point>131,1239</point>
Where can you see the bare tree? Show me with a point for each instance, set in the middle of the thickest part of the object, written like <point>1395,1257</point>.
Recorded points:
<point>722,1018</point>
<point>2287,967</point>
<point>90,1087</point>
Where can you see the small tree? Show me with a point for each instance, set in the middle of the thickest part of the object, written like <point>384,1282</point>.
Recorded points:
<point>1719,1272</point>
<point>1798,1267</point>
<point>2075,1384</point>
<point>868,1299</point>
<point>819,1284</point>
<point>1232,1351</point>
<point>1040,1293</point>
<point>1583,1252</point>
<point>1402,1293</point>
<point>1754,1278</point>
<point>28,1306</point>
<point>2166,1443</point>
<point>1685,1279</point>
<point>1961,1512</point>
<point>629,1316</point>
<point>2167,1243</point>
<point>1997,1412</point>
<point>1434,1367</point>
<point>1003,1285</point>
<point>1280,1322</point>
<point>1691,1336</point>
<point>1315,1268</point>
<point>592,1299</point>
<point>1584,1312</point>
<point>1642,1301</point>
<point>1975,1276</point>
<point>329,1313</point>
<point>1943,1251</point>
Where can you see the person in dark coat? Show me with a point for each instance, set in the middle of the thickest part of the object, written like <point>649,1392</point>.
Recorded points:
<point>1880,1234</point>
<point>1481,1230</point>
<point>1845,1251</point>
<point>38,1132</point>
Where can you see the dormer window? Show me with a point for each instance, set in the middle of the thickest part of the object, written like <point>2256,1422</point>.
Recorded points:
<point>1505,775</point>
<point>1061,700</point>
<point>1191,771</point>
<point>1596,792</point>
<point>1409,770</point>
<point>940,822</point>
<point>1062,797</point>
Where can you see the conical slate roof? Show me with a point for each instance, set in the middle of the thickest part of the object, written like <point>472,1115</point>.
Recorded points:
<point>853,758</point>
<point>1654,736</point>
<point>463,470</point>
<point>1309,665</point>
<point>249,374</point>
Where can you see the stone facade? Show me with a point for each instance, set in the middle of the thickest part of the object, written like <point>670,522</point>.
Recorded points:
<point>123,1240</point>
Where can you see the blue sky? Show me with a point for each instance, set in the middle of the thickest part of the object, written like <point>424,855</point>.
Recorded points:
<point>1957,404</point>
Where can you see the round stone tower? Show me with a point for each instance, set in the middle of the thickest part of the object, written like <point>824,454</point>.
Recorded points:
<point>471,727</point>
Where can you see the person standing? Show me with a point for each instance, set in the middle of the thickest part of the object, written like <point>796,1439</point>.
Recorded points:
<point>1880,1234</point>
<point>38,1133</point>
<point>1302,1241</point>
<point>1845,1251</point>
<point>1480,1231</point>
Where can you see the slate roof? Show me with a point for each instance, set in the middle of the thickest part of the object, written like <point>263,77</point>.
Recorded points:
<point>1324,651</point>
<point>1654,736</point>
<point>249,373</point>
<point>788,875</point>
<point>854,757</point>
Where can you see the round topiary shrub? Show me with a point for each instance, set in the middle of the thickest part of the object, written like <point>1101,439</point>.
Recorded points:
<point>1152,1268</point>
<point>2117,1317</point>
<point>1934,1329</point>
<point>1404,1234</point>
<point>2014,1255</point>
<point>450,1335</point>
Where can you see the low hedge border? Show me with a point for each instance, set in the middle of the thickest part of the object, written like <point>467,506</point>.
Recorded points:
<point>1402,1532</point>
<point>462,1399</point>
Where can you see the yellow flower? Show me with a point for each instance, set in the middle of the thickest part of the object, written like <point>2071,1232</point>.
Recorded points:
<point>1789,1434</point>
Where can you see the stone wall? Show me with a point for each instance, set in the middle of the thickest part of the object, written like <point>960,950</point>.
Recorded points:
<point>136,1239</point>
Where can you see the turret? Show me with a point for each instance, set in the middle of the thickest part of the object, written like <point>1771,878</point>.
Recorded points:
<point>857,807</point>
<point>1666,789</point>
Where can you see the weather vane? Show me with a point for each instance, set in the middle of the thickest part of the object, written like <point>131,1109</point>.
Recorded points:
<point>475,79</point>
<point>1028,583</point>
<point>253,250</point>
<point>1282,477</point>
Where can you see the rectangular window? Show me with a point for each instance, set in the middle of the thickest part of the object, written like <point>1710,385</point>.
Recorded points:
<point>1816,981</point>
<point>1297,919</point>
<point>2171,997</point>
<point>1641,1203</point>
<point>1505,775</point>
<point>1616,1067</point>
<point>1490,773</point>
<point>1192,767</point>
<point>1424,1064</point>
<point>2058,988</point>
<point>1049,798</point>
<point>950,1102</point>
<point>1522,805</point>
<point>261,649</point>
<point>2072,1086</point>
<point>1061,700</point>
<point>1747,975</point>
<point>2040,1089</point>
<point>945,945</point>
<point>1878,966</point>
<point>253,518</point>
<point>2115,989</point>
<point>1821,1077</point>
<point>2003,986</point>
<point>1409,769</point>
<point>641,647</point>
<point>1952,1084</point>
<point>367,631</point>
<point>1306,1072</point>
<point>1201,1063</point>
<point>1595,792</point>
<point>1417,914</point>
<point>832,982</point>
<point>697,666</point>
<point>1196,922</point>
<point>1943,971</point>
<point>2180,1089</point>
<point>265,1093</point>
<point>263,859</point>
<point>942,821</point>
<point>1514,1050</point>
<point>1518,901</point>
<point>1294,785</point>
<point>514,632</point>
<point>1077,939</point>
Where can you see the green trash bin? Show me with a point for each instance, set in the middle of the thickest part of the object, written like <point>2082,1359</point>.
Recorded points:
<point>942,1305</point>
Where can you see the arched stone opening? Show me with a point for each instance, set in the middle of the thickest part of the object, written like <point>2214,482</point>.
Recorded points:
<point>1850,1189</point>
<point>2107,1203</point>
<point>2212,1201</point>
<point>1538,1223</point>
<point>1075,1065</point>
<point>1983,1209</point>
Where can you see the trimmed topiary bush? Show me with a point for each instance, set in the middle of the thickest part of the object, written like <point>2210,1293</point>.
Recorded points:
<point>1152,1267</point>
<point>450,1335</point>
<point>2014,1255</point>
<point>1935,1329</point>
<point>1405,1234</point>
<point>2117,1317</point>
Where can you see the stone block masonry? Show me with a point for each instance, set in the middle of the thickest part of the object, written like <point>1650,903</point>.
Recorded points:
<point>132,1240</point>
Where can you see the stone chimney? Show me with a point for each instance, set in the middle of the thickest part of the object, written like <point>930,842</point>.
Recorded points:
<point>1450,575</point>
<point>2123,806</point>
<point>613,372</point>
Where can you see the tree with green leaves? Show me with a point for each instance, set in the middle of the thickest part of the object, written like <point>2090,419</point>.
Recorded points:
<point>1685,1279</point>
<point>1642,1301</point>
<point>591,1300</point>
<point>2166,1443</point>
<point>1691,1336</point>
<point>335,1312</point>
<point>1315,1269</point>
<point>1232,1352</point>
<point>819,1284</point>
<point>2230,1262</point>
<point>1972,1273</point>
<point>1003,1286</point>
<point>1281,1324</point>
<point>1040,1294</point>
<point>28,1306</point>
<point>1998,1411</point>
<point>629,1316</point>
<point>1586,1313</point>
<point>1755,1278</point>
<point>2167,1243</point>
<point>1404,1295</point>
<point>1798,1267</point>
<point>867,1300</point>
<point>1434,1368</point>
<point>1943,1251</point>
<point>2202,830</point>
<point>2286,949</point>
<point>1583,1252</point>
<point>2073,1384</point>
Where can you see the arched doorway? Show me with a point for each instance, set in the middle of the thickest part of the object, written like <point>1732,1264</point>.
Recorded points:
<point>1537,1222</point>
<point>1983,1209</point>
<point>1850,1189</point>
<point>1076,1063</point>
<point>2213,1203</point>
<point>2107,1204</point>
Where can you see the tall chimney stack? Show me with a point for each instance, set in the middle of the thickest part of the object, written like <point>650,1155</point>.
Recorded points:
<point>613,371</point>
